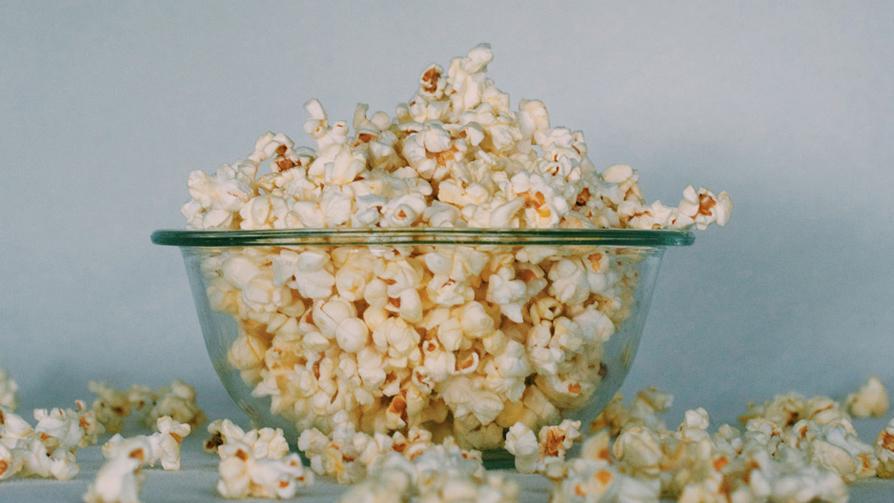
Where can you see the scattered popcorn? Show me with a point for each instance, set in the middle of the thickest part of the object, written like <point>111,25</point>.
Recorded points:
<point>793,449</point>
<point>8,389</point>
<point>884,451</point>
<point>244,474</point>
<point>10,463</point>
<point>463,341</point>
<point>40,461</point>
<point>161,447</point>
<point>389,484</point>
<point>597,481</point>
<point>119,480</point>
<point>538,455</point>
<point>178,402</point>
<point>871,400</point>
<point>264,443</point>
<point>440,474</point>
<point>347,454</point>
<point>48,449</point>
<point>112,406</point>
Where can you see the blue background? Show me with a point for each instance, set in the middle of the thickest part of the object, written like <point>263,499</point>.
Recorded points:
<point>105,107</point>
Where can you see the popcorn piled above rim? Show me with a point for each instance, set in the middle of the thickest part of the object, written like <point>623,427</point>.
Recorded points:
<point>455,155</point>
<point>461,340</point>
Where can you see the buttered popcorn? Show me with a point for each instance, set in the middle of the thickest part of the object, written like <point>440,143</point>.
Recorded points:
<point>462,341</point>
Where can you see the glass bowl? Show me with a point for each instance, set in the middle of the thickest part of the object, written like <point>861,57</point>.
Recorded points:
<point>462,332</point>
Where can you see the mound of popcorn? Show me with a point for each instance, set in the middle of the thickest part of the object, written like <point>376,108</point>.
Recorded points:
<point>463,341</point>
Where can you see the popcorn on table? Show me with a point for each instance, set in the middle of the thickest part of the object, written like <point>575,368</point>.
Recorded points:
<point>162,447</point>
<point>793,449</point>
<point>439,474</point>
<point>540,454</point>
<point>49,448</point>
<point>8,389</point>
<point>884,451</point>
<point>462,340</point>
<point>871,400</point>
<point>118,480</point>
<point>113,406</point>
<point>256,463</point>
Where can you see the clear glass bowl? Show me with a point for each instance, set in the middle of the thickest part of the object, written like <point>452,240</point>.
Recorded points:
<point>462,332</point>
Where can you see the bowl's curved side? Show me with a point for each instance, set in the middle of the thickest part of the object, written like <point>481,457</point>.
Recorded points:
<point>221,329</point>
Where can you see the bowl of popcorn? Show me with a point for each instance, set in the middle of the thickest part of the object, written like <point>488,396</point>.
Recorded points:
<point>450,270</point>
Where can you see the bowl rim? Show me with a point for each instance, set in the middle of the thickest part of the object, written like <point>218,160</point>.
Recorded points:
<point>422,236</point>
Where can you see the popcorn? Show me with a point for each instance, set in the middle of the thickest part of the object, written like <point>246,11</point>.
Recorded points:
<point>8,389</point>
<point>597,481</point>
<point>793,449</point>
<point>118,481</point>
<point>871,400</point>
<point>14,430</point>
<point>161,447</point>
<point>244,477</point>
<point>461,340</point>
<point>48,449</point>
<point>537,455</point>
<point>443,473</point>
<point>40,461</point>
<point>884,451</point>
<point>263,443</point>
<point>10,464</point>
<point>256,463</point>
<point>112,406</point>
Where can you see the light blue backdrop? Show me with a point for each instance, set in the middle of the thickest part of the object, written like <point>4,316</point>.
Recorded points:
<point>106,107</point>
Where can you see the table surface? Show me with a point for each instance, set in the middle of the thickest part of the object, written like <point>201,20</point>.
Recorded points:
<point>195,483</point>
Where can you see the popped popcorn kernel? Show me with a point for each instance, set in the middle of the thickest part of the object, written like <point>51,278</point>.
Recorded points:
<point>884,451</point>
<point>256,463</point>
<point>871,400</point>
<point>112,406</point>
